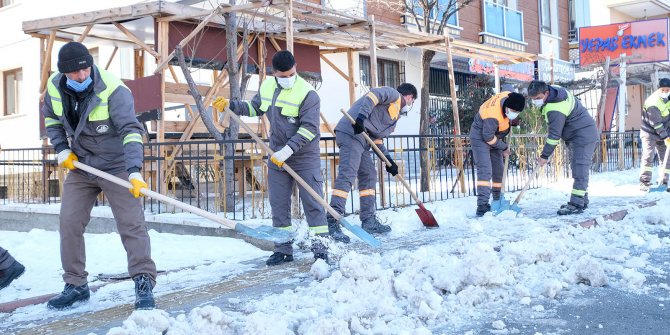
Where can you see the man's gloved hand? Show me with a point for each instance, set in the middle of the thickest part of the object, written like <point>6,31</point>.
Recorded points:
<point>359,126</point>
<point>667,141</point>
<point>541,161</point>
<point>279,157</point>
<point>506,152</point>
<point>220,104</point>
<point>138,183</point>
<point>393,169</point>
<point>66,159</point>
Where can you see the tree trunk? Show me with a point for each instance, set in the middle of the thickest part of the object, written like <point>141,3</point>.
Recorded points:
<point>425,120</point>
<point>232,132</point>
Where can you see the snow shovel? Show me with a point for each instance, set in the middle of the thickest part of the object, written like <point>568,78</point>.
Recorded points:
<point>661,173</point>
<point>263,232</point>
<point>502,204</point>
<point>425,215</point>
<point>356,230</point>
<point>515,205</point>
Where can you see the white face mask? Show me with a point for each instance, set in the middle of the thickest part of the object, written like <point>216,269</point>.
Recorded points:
<point>405,110</point>
<point>286,83</point>
<point>538,102</point>
<point>511,114</point>
<point>664,95</point>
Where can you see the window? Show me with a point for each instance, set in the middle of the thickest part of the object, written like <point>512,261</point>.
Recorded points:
<point>13,81</point>
<point>389,73</point>
<point>437,12</point>
<point>5,3</point>
<point>545,16</point>
<point>502,21</point>
<point>572,13</point>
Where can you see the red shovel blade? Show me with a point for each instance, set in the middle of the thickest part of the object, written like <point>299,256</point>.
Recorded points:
<point>426,217</point>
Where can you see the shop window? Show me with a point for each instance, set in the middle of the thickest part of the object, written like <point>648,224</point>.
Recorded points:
<point>502,21</point>
<point>13,81</point>
<point>389,72</point>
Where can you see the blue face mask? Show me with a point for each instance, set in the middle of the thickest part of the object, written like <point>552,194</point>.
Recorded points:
<point>77,86</point>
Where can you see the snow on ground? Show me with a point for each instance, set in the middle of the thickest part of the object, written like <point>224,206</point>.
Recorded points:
<point>469,272</point>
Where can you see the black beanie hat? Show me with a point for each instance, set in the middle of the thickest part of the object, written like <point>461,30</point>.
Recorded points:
<point>72,57</point>
<point>515,101</point>
<point>283,61</point>
<point>664,82</point>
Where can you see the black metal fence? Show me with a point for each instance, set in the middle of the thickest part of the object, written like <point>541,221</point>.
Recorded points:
<point>194,172</point>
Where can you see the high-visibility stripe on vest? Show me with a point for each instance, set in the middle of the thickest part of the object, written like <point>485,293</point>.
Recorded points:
<point>288,100</point>
<point>492,108</point>
<point>101,111</point>
<point>654,100</point>
<point>564,107</point>
<point>394,109</point>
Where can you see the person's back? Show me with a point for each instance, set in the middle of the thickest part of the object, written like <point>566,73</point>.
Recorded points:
<point>579,124</point>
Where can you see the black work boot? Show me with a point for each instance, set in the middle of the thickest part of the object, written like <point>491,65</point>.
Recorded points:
<point>570,208</point>
<point>335,231</point>
<point>278,258</point>
<point>584,207</point>
<point>69,296</point>
<point>144,296</point>
<point>482,209</point>
<point>373,226</point>
<point>9,274</point>
<point>644,186</point>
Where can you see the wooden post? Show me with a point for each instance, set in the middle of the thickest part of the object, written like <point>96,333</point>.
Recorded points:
<point>373,53</point>
<point>46,65</point>
<point>623,95</point>
<point>350,70</point>
<point>139,63</point>
<point>83,35</point>
<point>111,57</point>
<point>163,28</point>
<point>289,26</point>
<point>457,119</point>
<point>603,96</point>
<point>496,78</point>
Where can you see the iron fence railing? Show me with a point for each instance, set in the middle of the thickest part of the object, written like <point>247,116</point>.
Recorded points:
<point>195,171</point>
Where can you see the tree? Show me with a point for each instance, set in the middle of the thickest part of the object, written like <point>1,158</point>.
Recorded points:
<point>434,22</point>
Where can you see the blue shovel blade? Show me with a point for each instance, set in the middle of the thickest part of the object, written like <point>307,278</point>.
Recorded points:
<point>659,188</point>
<point>362,234</point>
<point>266,233</point>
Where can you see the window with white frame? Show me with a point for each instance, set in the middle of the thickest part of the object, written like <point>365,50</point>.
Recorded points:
<point>442,7</point>
<point>502,21</point>
<point>545,16</point>
<point>389,72</point>
<point>12,82</point>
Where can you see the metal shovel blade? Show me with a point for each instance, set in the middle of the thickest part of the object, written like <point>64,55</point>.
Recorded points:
<point>502,205</point>
<point>266,233</point>
<point>659,188</point>
<point>360,233</point>
<point>426,217</point>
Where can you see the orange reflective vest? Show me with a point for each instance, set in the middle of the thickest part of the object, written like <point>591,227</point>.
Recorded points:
<point>492,109</point>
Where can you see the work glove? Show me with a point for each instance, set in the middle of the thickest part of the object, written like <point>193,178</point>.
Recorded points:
<point>138,183</point>
<point>393,169</point>
<point>506,152</point>
<point>541,161</point>
<point>66,159</point>
<point>220,104</point>
<point>667,141</point>
<point>279,157</point>
<point>359,126</point>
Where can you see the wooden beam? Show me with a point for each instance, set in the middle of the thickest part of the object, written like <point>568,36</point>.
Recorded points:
<point>373,53</point>
<point>275,44</point>
<point>139,63</point>
<point>111,57</point>
<point>46,65</point>
<point>325,59</point>
<point>83,35</point>
<point>136,40</point>
<point>352,84</point>
<point>289,26</point>
<point>457,119</point>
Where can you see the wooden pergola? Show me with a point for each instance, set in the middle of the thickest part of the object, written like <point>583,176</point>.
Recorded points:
<point>146,28</point>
